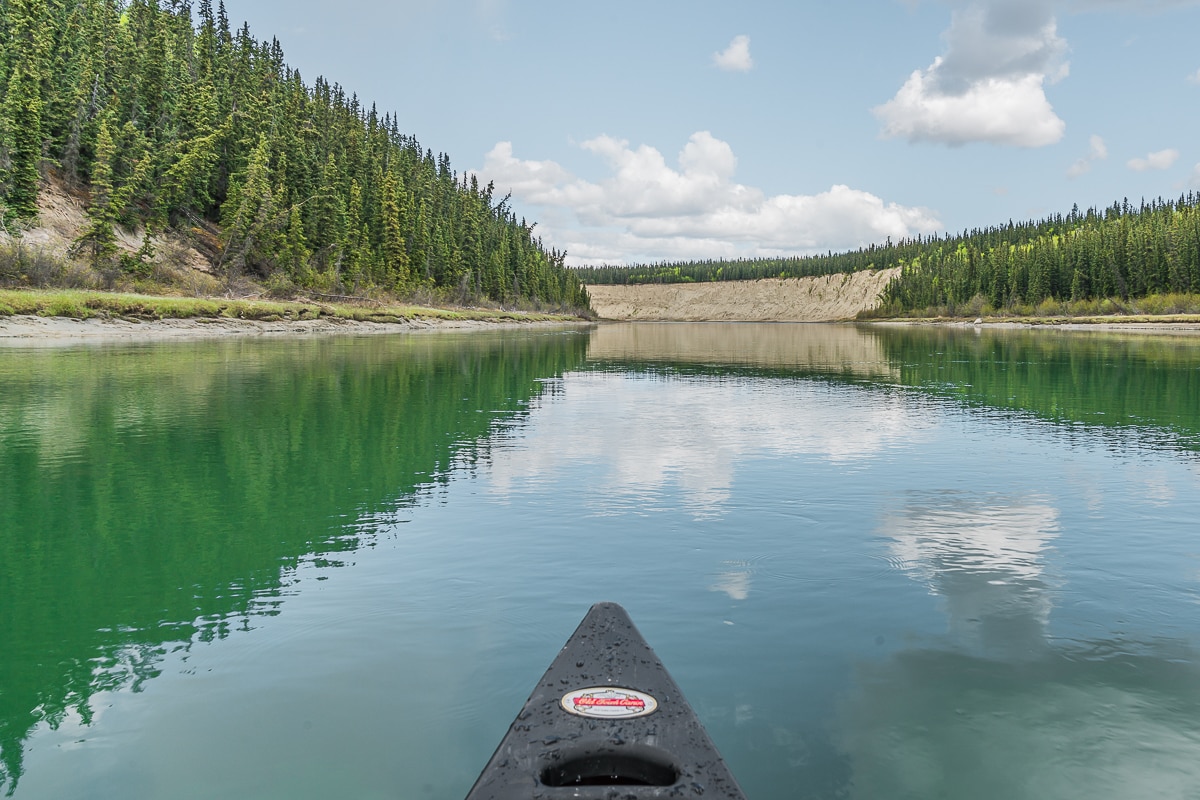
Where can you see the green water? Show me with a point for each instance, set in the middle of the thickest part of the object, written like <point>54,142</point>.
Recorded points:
<point>881,562</point>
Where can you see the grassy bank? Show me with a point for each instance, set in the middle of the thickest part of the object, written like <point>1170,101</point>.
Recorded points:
<point>1153,308</point>
<point>1116,319</point>
<point>88,304</point>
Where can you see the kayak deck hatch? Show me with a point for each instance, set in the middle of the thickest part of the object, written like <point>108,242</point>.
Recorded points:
<point>606,721</point>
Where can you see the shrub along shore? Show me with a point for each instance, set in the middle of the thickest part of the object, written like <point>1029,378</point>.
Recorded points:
<point>1172,307</point>
<point>71,315</point>
<point>87,304</point>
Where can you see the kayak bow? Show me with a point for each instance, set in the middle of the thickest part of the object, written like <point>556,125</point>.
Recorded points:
<point>606,721</point>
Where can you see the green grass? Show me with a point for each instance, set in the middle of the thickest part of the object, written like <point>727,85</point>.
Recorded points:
<point>1152,308</point>
<point>87,304</point>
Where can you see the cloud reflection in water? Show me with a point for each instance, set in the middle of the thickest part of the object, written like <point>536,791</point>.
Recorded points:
<point>1005,712</point>
<point>734,580</point>
<point>985,556</point>
<point>645,435</point>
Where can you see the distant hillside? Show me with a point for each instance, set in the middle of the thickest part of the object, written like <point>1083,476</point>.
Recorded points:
<point>164,122</point>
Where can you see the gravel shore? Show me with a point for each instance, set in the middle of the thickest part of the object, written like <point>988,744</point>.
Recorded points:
<point>28,330</point>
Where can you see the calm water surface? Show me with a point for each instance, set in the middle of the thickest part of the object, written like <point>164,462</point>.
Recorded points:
<point>881,562</point>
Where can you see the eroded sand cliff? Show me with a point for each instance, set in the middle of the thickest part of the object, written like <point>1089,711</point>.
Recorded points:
<point>821,299</point>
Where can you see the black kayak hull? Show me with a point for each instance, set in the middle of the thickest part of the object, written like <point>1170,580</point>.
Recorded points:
<point>606,721</point>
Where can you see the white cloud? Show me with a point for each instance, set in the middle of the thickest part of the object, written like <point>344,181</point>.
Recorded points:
<point>1163,159</point>
<point>492,15</point>
<point>1080,167</point>
<point>989,85</point>
<point>1012,112</point>
<point>1194,181</point>
<point>1097,151</point>
<point>647,209</point>
<point>1195,77</point>
<point>736,57</point>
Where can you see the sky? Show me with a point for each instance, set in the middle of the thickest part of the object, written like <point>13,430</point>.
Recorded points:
<point>662,130</point>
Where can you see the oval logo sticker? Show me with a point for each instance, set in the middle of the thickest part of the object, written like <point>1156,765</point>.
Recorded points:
<point>609,702</point>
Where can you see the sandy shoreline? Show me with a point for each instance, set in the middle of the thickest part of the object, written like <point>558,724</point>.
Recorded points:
<point>51,331</point>
<point>29,330</point>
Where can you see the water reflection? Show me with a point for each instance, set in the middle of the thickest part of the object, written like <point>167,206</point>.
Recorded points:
<point>798,348</point>
<point>1157,488</point>
<point>934,723</point>
<point>985,556</point>
<point>1005,711</point>
<point>1138,388</point>
<point>734,580</point>
<point>642,435</point>
<point>153,497</point>
<point>1141,389</point>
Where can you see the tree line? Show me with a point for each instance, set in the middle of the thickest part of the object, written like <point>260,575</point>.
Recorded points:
<point>167,118</point>
<point>752,269</point>
<point>1123,251</point>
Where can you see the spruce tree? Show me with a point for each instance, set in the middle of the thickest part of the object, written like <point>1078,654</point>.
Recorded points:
<point>249,218</point>
<point>99,239</point>
<point>294,253</point>
<point>23,142</point>
<point>21,122</point>
<point>394,252</point>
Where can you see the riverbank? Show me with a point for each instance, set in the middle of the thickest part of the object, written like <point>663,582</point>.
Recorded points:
<point>828,298</point>
<point>72,315</point>
<point>1184,324</point>
<point>19,330</point>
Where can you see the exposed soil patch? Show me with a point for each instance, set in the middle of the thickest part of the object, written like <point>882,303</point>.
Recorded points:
<point>62,217</point>
<point>826,298</point>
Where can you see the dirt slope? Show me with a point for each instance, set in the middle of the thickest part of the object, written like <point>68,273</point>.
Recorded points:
<point>62,218</point>
<point>822,299</point>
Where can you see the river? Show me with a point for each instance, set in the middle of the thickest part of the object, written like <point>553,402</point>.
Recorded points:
<point>880,562</point>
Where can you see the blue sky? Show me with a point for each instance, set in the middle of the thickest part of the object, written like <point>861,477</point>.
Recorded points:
<point>664,129</point>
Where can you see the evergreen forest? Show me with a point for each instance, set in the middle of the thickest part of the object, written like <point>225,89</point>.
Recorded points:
<point>1124,252</point>
<point>166,119</point>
